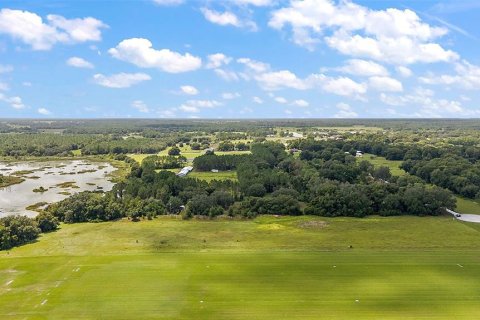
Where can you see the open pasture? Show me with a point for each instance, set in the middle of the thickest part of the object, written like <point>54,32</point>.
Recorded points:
<point>267,268</point>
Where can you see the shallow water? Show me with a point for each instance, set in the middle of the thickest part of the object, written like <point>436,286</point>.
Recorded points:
<point>15,198</point>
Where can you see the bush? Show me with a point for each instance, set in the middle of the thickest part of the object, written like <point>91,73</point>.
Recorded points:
<point>46,221</point>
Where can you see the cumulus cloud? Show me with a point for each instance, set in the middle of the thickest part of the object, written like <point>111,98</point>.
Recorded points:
<point>345,111</point>
<point>79,63</point>
<point>301,103</point>
<point>120,80</point>
<point>363,68</point>
<point>140,106</point>
<point>189,90</point>
<point>253,65</point>
<point>139,52</point>
<point>230,95</point>
<point>426,104</point>
<point>281,100</point>
<point>227,75</point>
<point>404,71</point>
<point>44,111</point>
<point>467,77</point>
<point>227,18</point>
<point>14,102</point>
<point>257,100</point>
<point>390,35</point>
<point>31,29</point>
<point>280,79</point>
<point>195,106</point>
<point>385,84</point>
<point>344,86</point>
<point>217,60</point>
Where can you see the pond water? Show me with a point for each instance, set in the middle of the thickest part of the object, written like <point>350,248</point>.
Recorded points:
<point>59,178</point>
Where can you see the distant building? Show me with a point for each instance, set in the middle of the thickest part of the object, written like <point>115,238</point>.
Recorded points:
<point>184,171</point>
<point>359,154</point>
<point>214,170</point>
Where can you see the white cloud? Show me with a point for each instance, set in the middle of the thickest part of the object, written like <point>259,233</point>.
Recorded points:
<point>287,111</point>
<point>345,111</point>
<point>390,35</point>
<point>404,71</point>
<point>227,18</point>
<point>140,106</point>
<point>230,95</point>
<point>30,29</point>
<point>344,86</point>
<point>195,106</point>
<point>385,84</point>
<point>227,75</point>
<point>5,68</point>
<point>257,100</point>
<point>14,102</point>
<point>79,30</point>
<point>120,80</point>
<point>281,100</point>
<point>467,77</point>
<point>44,111</point>
<point>278,79</point>
<point>139,52</point>
<point>4,86</point>
<point>364,68</point>
<point>168,2</point>
<point>301,103</point>
<point>217,60</point>
<point>256,3</point>
<point>424,101</point>
<point>255,66</point>
<point>189,90</point>
<point>79,63</point>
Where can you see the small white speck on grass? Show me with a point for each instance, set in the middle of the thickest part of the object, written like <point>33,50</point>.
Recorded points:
<point>334,266</point>
<point>201,301</point>
<point>459,265</point>
<point>43,302</point>
<point>357,301</point>
<point>9,283</point>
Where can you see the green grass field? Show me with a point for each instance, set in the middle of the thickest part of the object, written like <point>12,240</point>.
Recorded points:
<point>465,205</point>
<point>267,268</point>
<point>377,161</point>
<point>209,176</point>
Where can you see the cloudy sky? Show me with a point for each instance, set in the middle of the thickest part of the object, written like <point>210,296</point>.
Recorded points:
<point>240,59</point>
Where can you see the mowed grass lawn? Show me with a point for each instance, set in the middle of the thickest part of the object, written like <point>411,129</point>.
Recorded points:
<point>267,268</point>
<point>377,161</point>
<point>209,176</point>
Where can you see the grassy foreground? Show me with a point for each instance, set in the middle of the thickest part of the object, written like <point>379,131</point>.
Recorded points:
<point>268,268</point>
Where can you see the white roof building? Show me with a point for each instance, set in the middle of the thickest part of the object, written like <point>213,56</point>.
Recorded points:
<point>184,171</point>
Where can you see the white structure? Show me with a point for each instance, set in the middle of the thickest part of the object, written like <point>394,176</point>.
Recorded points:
<point>359,154</point>
<point>184,171</point>
<point>214,170</point>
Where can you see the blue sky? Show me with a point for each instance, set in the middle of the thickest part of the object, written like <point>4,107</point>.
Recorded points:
<point>239,59</point>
